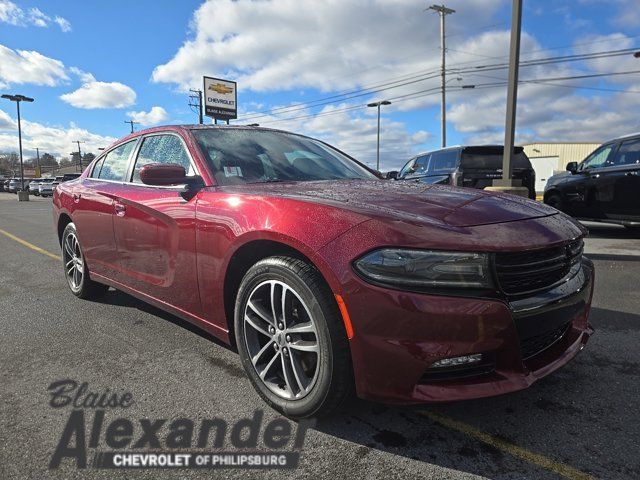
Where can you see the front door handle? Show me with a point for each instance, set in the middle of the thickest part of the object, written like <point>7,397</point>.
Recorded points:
<point>631,174</point>
<point>595,175</point>
<point>120,209</point>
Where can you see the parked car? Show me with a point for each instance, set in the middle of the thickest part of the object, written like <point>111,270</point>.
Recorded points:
<point>45,188</point>
<point>467,166</point>
<point>5,184</point>
<point>15,185</point>
<point>70,176</point>
<point>326,277</point>
<point>34,186</point>
<point>604,187</point>
<point>57,181</point>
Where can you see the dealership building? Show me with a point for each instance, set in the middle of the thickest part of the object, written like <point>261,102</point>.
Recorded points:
<point>548,158</point>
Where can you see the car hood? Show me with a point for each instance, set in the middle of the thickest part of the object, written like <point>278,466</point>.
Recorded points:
<point>407,201</point>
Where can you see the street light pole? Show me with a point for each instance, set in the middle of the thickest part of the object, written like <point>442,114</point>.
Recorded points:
<point>378,104</point>
<point>443,12</point>
<point>18,99</point>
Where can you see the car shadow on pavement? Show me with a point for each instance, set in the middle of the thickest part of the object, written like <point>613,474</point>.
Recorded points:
<point>116,297</point>
<point>612,231</point>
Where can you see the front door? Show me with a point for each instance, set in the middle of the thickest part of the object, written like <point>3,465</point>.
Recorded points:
<point>155,229</point>
<point>581,190</point>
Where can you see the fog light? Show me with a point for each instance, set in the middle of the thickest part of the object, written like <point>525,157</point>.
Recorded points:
<point>455,361</point>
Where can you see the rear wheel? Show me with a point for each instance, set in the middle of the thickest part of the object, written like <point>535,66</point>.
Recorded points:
<point>75,267</point>
<point>291,339</point>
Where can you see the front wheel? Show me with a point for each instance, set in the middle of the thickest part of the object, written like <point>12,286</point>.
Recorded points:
<point>75,267</point>
<point>291,339</point>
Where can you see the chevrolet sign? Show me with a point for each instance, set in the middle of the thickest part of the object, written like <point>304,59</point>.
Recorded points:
<point>220,98</point>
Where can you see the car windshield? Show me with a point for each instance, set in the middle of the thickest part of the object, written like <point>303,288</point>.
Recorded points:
<point>239,156</point>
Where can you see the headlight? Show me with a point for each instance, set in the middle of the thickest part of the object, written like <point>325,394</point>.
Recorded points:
<point>426,268</point>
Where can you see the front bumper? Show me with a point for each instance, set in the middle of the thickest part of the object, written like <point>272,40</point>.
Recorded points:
<point>399,335</point>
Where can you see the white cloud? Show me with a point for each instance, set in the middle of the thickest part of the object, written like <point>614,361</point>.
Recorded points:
<point>152,117</point>
<point>63,23</point>
<point>14,15</point>
<point>94,94</point>
<point>56,140</point>
<point>24,66</point>
<point>298,44</point>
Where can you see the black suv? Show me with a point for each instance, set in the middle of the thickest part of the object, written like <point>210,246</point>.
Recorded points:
<point>604,187</point>
<point>470,166</point>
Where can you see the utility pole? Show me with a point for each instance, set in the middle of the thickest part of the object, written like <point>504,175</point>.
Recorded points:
<point>38,161</point>
<point>197,96</point>
<point>79,154</point>
<point>507,183</point>
<point>131,122</point>
<point>443,12</point>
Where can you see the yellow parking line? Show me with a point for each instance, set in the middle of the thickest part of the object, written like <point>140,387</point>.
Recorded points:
<point>508,447</point>
<point>29,245</point>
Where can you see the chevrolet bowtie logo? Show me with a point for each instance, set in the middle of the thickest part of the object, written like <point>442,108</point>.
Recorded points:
<point>220,88</point>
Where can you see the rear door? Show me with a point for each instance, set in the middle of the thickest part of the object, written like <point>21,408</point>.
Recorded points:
<point>622,179</point>
<point>94,212</point>
<point>155,228</point>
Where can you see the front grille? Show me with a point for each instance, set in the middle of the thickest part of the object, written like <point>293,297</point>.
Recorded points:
<point>530,271</point>
<point>534,345</point>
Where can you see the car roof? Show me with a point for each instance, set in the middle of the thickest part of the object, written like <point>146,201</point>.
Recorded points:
<point>623,137</point>
<point>461,147</point>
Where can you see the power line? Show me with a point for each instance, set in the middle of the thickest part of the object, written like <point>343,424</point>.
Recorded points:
<point>418,77</point>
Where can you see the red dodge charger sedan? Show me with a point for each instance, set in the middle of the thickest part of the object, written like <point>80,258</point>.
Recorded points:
<point>326,277</point>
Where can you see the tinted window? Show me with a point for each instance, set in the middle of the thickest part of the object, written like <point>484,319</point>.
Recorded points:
<point>628,153</point>
<point>490,158</point>
<point>444,162</point>
<point>114,164</point>
<point>241,156</point>
<point>421,165</point>
<point>162,149</point>
<point>598,158</point>
<point>407,168</point>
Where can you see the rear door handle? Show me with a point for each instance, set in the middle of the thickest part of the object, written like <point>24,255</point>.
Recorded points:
<point>120,209</point>
<point>631,174</point>
<point>76,197</point>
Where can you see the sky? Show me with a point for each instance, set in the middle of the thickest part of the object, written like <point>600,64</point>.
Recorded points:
<point>91,66</point>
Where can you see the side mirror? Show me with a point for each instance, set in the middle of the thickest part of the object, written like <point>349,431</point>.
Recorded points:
<point>162,174</point>
<point>572,167</point>
<point>392,175</point>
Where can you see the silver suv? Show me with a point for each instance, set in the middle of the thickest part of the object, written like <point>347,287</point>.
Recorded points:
<point>45,188</point>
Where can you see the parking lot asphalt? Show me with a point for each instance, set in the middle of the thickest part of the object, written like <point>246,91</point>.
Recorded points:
<point>580,422</point>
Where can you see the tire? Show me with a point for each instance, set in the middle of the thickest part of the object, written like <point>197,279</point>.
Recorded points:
<point>554,200</point>
<point>297,383</point>
<point>75,267</point>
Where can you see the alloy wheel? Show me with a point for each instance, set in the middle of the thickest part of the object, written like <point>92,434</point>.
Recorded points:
<point>73,261</point>
<point>281,339</point>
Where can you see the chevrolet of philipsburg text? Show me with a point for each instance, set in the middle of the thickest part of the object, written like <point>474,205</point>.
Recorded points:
<point>329,279</point>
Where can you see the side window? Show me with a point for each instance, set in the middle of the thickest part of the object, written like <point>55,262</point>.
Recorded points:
<point>598,158</point>
<point>444,162</point>
<point>421,165</point>
<point>162,149</point>
<point>628,154</point>
<point>407,168</point>
<point>114,165</point>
